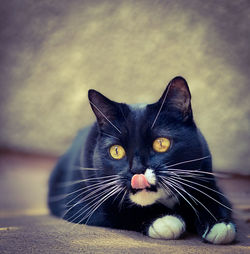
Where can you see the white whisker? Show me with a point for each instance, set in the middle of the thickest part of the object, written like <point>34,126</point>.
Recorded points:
<point>111,136</point>
<point>82,208</point>
<point>81,155</point>
<point>201,185</point>
<point>197,201</point>
<point>159,111</point>
<point>95,179</point>
<point>122,189</point>
<point>82,168</point>
<point>174,187</point>
<point>104,116</point>
<point>187,174</point>
<point>180,188</point>
<point>204,194</point>
<point>197,172</point>
<point>169,191</point>
<point>104,199</point>
<point>89,195</point>
<point>122,199</point>
<point>97,204</point>
<point>188,161</point>
<point>63,196</point>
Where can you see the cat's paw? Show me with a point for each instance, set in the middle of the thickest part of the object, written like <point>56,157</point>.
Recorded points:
<point>168,227</point>
<point>220,233</point>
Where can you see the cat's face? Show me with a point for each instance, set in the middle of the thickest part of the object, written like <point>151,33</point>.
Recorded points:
<point>140,143</point>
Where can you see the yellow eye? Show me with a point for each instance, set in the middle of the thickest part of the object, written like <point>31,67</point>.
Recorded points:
<point>117,152</point>
<point>161,145</point>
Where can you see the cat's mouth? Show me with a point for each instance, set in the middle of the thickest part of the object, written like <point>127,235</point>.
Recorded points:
<point>152,188</point>
<point>146,181</point>
<point>144,190</point>
<point>139,181</point>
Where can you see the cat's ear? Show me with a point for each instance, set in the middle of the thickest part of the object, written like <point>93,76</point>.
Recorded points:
<point>105,109</point>
<point>177,97</point>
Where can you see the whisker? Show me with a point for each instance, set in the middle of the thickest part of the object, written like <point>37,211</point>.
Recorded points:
<point>198,172</point>
<point>95,206</point>
<point>174,187</point>
<point>183,171</point>
<point>186,174</point>
<point>204,194</point>
<point>104,184</point>
<point>104,116</point>
<point>104,199</point>
<point>177,171</point>
<point>159,111</point>
<point>111,136</point>
<point>88,196</point>
<point>57,198</point>
<point>166,188</point>
<point>82,208</point>
<point>92,203</point>
<point>122,189</point>
<point>69,183</point>
<point>82,168</point>
<point>124,117</point>
<point>81,155</point>
<point>169,191</point>
<point>201,185</point>
<point>180,188</point>
<point>197,201</point>
<point>122,199</point>
<point>188,161</point>
<point>63,196</point>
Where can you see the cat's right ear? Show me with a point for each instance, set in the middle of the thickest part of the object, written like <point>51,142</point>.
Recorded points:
<point>177,97</point>
<point>105,110</point>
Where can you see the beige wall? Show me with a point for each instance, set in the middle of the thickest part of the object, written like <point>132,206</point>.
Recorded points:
<point>52,52</point>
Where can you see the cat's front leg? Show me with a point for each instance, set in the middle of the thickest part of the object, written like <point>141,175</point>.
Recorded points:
<point>167,227</point>
<point>219,229</point>
<point>220,233</point>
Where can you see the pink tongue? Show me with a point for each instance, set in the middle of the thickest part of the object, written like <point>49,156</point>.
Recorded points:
<point>139,181</point>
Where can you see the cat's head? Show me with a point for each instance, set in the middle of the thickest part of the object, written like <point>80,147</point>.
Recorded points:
<point>143,143</point>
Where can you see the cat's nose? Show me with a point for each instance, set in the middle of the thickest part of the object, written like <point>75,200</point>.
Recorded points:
<point>138,169</point>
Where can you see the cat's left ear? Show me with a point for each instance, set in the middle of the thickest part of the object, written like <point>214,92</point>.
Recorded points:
<point>177,97</point>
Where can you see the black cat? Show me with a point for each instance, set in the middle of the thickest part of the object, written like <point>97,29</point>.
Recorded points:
<point>145,168</point>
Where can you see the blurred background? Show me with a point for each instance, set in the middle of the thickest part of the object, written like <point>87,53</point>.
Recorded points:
<point>52,52</point>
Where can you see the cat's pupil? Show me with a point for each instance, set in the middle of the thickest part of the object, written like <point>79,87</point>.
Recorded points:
<point>116,150</point>
<point>160,142</point>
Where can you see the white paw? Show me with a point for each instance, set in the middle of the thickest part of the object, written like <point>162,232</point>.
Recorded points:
<point>221,233</point>
<point>167,227</point>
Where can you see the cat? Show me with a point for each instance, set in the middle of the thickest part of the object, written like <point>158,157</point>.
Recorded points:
<point>145,168</point>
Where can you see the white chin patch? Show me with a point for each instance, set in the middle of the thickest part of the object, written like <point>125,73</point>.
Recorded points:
<point>144,197</point>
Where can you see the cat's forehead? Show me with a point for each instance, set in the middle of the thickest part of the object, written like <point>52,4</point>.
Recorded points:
<point>142,120</point>
<point>137,114</point>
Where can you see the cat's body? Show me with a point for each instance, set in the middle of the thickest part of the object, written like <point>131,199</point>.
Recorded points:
<point>143,168</point>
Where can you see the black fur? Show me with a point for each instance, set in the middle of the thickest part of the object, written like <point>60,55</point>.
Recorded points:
<point>135,129</point>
